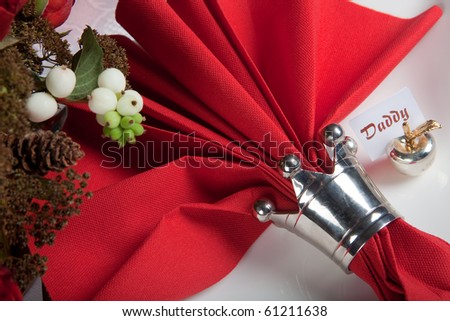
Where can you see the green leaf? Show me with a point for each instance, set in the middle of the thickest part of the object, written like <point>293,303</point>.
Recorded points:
<point>39,7</point>
<point>39,82</point>
<point>8,41</point>
<point>76,59</point>
<point>88,66</point>
<point>65,33</point>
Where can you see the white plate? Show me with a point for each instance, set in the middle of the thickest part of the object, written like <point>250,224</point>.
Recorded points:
<point>280,266</point>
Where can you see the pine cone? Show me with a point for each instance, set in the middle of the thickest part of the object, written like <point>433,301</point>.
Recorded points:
<point>42,151</point>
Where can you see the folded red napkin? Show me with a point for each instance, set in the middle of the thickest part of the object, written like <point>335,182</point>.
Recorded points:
<point>403,263</point>
<point>231,87</point>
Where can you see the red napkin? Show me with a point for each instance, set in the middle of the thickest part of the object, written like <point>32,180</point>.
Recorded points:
<point>231,87</point>
<point>403,263</point>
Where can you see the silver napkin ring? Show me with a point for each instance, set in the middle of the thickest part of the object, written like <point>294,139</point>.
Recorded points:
<point>338,212</point>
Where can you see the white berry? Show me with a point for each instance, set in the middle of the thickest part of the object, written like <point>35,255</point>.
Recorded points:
<point>140,101</point>
<point>102,100</point>
<point>60,81</point>
<point>41,106</point>
<point>129,104</point>
<point>113,79</point>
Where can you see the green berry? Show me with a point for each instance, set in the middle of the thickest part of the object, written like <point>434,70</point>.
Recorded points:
<point>100,119</point>
<point>112,119</point>
<point>116,133</point>
<point>121,141</point>
<point>129,136</point>
<point>106,131</point>
<point>138,129</point>
<point>138,118</point>
<point>126,122</point>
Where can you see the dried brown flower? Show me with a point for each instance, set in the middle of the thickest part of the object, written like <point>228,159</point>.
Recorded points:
<point>35,206</point>
<point>6,160</point>
<point>52,47</point>
<point>26,268</point>
<point>114,56</point>
<point>16,85</point>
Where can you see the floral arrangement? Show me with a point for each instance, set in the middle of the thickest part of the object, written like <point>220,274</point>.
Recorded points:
<point>39,76</point>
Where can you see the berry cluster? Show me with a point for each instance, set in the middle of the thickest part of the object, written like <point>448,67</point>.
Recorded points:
<point>60,83</point>
<point>117,109</point>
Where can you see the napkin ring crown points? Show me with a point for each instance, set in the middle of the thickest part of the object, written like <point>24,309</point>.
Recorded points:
<point>338,212</point>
